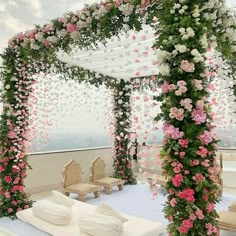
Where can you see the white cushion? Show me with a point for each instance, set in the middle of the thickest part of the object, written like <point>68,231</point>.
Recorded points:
<point>105,209</point>
<point>52,212</point>
<point>61,199</point>
<point>100,225</point>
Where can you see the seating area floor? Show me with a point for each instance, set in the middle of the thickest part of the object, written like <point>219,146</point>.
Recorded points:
<point>134,200</point>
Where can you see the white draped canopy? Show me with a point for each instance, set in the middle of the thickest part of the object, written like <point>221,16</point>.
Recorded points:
<point>127,56</point>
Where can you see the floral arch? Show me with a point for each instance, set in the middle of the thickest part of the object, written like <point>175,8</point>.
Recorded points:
<point>185,30</point>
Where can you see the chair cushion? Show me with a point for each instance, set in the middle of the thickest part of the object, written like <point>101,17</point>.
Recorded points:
<point>60,198</point>
<point>52,212</point>
<point>109,181</point>
<point>100,225</point>
<point>105,209</point>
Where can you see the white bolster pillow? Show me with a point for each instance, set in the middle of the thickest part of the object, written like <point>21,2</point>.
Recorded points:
<point>52,212</point>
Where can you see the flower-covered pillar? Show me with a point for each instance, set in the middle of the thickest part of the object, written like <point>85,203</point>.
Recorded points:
<point>189,145</point>
<point>122,112</point>
<point>14,131</point>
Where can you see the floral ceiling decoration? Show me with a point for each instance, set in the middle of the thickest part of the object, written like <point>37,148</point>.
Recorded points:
<point>185,30</point>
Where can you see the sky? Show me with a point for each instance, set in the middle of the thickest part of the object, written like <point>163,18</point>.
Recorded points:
<point>21,15</point>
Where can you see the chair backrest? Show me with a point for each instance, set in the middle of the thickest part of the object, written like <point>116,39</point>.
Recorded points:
<point>71,173</point>
<point>97,169</point>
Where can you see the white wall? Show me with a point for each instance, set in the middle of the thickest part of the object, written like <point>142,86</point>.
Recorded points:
<point>46,173</point>
<point>47,167</point>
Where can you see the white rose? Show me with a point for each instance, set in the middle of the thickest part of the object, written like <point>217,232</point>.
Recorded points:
<point>195,52</point>
<point>162,55</point>
<point>198,59</point>
<point>164,69</point>
<point>52,39</point>
<point>181,48</point>
<point>204,41</point>
<point>75,35</point>
<point>120,101</point>
<point>177,6</point>
<point>39,37</point>
<point>34,46</point>
<point>190,32</point>
<point>126,9</point>
<point>185,7</point>
<point>7,86</point>
<point>62,33</point>
<point>182,30</point>
<point>172,11</point>
<point>181,11</point>
<point>196,13</point>
<point>185,36</point>
<point>25,43</point>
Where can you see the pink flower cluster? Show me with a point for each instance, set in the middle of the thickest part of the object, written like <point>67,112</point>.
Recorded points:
<point>197,84</point>
<point>166,87</point>
<point>183,143</point>
<point>205,137</point>
<point>202,152</point>
<point>177,166</point>
<point>176,113</point>
<point>194,162</point>
<point>186,103</point>
<point>198,177</point>
<point>187,66</point>
<point>199,116</point>
<point>210,207</point>
<point>199,214</point>
<point>211,229</point>
<point>187,195</point>
<point>177,179</point>
<point>181,88</point>
<point>185,226</point>
<point>171,132</point>
<point>173,202</point>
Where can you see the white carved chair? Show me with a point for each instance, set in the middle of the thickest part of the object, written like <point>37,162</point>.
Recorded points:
<point>98,177</point>
<point>72,182</point>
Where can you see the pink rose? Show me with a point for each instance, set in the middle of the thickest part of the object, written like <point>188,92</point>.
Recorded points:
<point>173,202</point>
<point>192,216</point>
<point>187,66</point>
<point>183,230</point>
<point>71,27</point>
<point>181,83</point>
<point>187,223</point>
<point>182,89</point>
<point>176,169</point>
<point>199,214</point>
<point>7,179</point>
<point>187,195</point>
<point>1,168</point>
<point>15,168</point>
<point>177,179</point>
<point>9,210</point>
<point>165,87</point>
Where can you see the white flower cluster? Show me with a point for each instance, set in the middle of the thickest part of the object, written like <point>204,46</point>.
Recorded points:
<point>197,56</point>
<point>187,33</point>
<point>162,56</point>
<point>126,9</point>
<point>178,8</point>
<point>179,49</point>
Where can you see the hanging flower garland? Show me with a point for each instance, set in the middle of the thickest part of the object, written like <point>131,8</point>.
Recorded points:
<point>189,144</point>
